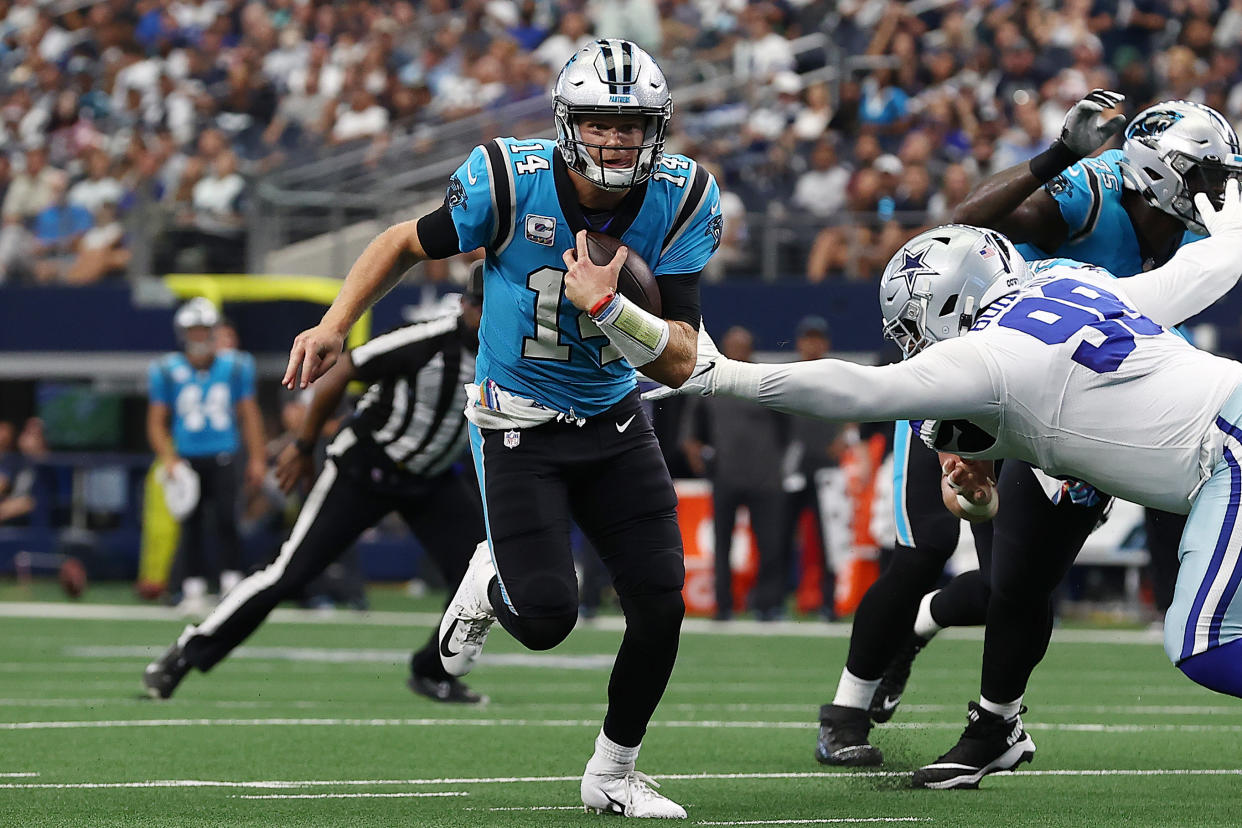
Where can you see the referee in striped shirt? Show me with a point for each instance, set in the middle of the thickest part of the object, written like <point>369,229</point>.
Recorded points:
<point>400,451</point>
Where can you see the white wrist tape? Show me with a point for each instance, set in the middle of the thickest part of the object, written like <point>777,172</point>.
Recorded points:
<point>979,511</point>
<point>640,336</point>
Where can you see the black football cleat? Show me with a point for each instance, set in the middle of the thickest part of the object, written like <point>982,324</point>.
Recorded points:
<point>989,744</point>
<point>162,676</point>
<point>843,738</point>
<point>449,691</point>
<point>893,682</point>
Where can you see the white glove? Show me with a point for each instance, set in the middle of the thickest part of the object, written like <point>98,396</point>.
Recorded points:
<point>1082,131</point>
<point>1228,219</point>
<point>702,379</point>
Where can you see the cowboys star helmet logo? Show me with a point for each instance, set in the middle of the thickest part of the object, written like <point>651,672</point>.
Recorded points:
<point>456,195</point>
<point>912,267</point>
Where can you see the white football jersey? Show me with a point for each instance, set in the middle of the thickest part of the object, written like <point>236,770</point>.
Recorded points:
<point>1065,373</point>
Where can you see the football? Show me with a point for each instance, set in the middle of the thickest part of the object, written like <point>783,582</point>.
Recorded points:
<point>73,577</point>
<point>635,281</point>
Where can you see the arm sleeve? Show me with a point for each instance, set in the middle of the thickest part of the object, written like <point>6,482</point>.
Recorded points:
<point>469,199</point>
<point>1196,276</point>
<point>244,377</point>
<point>157,389</point>
<point>438,234</point>
<point>692,242</point>
<point>679,296</point>
<point>950,380</point>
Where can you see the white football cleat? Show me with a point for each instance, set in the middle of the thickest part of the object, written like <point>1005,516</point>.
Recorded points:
<point>630,794</point>
<point>469,617</point>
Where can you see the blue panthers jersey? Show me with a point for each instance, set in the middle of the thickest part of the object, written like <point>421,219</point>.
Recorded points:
<point>203,403</point>
<point>515,199</point>
<point>1100,231</point>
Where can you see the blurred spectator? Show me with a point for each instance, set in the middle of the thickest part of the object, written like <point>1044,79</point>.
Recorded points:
<point>217,203</point>
<point>363,118</point>
<point>57,231</point>
<point>957,185</point>
<point>572,34</point>
<point>102,251</point>
<point>742,456</point>
<point>821,189</point>
<point>636,20</point>
<point>99,187</point>
<point>18,470</point>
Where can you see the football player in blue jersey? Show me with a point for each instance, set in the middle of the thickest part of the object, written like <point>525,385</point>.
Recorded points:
<point>1127,211</point>
<point>556,427</point>
<point>208,395</point>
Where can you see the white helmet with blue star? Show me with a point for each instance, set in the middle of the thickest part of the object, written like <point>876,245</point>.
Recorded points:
<point>937,283</point>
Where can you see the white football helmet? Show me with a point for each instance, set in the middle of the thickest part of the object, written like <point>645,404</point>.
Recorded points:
<point>937,283</point>
<point>611,77</point>
<point>199,312</point>
<point>1176,149</point>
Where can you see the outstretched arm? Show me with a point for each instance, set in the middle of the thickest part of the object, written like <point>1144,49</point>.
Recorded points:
<point>950,380</point>
<point>1199,273</point>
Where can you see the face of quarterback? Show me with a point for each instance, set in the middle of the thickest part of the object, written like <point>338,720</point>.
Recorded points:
<point>613,141</point>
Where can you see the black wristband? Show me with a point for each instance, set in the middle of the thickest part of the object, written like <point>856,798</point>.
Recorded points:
<point>1052,162</point>
<point>305,447</point>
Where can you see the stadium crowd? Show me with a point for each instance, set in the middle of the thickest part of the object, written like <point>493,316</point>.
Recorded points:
<point>157,116</point>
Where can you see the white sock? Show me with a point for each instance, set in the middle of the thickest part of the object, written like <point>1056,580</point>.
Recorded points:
<point>925,625</point>
<point>1006,711</point>
<point>194,587</point>
<point>609,757</point>
<point>854,692</point>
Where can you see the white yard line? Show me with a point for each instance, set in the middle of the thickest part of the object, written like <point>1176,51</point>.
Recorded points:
<point>510,780</point>
<point>336,655</point>
<point>403,795</point>
<point>692,626</point>
<point>712,724</point>
<point>832,821</point>
<point>18,775</point>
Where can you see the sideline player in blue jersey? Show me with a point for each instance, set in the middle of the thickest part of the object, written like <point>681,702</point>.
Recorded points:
<point>556,425</point>
<point>209,397</point>
<point>1127,211</point>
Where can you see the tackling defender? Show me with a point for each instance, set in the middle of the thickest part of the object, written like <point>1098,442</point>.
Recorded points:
<point>1126,211</point>
<point>1062,367</point>
<point>556,426</point>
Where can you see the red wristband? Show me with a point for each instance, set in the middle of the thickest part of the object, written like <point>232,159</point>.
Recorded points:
<point>601,304</point>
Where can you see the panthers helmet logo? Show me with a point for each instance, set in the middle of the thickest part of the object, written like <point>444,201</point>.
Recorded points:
<point>1153,125</point>
<point>456,195</point>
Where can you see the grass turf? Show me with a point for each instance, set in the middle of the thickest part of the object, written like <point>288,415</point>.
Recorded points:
<point>280,711</point>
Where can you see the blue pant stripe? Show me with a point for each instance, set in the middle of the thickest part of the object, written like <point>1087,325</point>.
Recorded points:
<point>1231,588</point>
<point>1218,555</point>
<point>901,457</point>
<point>480,470</point>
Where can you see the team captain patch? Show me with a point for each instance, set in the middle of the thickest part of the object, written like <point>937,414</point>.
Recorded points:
<point>541,230</point>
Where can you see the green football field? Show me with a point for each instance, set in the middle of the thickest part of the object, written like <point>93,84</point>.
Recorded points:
<point>310,723</point>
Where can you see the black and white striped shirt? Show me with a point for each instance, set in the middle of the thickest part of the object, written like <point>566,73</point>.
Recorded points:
<point>413,410</point>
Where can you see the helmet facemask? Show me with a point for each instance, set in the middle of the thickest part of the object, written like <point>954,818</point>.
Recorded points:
<point>576,150</point>
<point>1207,176</point>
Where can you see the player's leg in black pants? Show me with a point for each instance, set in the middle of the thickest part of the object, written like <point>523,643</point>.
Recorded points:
<point>767,521</point>
<point>886,613</point>
<point>1164,536</point>
<point>725,502</point>
<point>1034,545</point>
<point>963,602</point>
<point>338,509</point>
<point>927,536</point>
<point>626,505</point>
<point>447,519</point>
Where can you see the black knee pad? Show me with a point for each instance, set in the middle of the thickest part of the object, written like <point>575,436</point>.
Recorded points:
<point>659,611</point>
<point>543,632</point>
<point>650,573</point>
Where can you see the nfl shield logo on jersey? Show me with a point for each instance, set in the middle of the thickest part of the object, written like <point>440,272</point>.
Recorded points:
<point>512,438</point>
